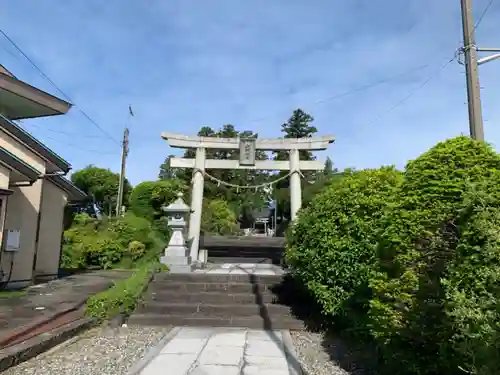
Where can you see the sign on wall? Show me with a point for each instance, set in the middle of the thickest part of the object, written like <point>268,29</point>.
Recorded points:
<point>247,151</point>
<point>13,240</point>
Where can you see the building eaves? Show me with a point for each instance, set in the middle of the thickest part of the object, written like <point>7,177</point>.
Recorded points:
<point>34,144</point>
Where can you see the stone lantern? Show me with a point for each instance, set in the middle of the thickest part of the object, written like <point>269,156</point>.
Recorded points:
<point>176,254</point>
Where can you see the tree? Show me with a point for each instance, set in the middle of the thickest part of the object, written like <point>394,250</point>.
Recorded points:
<point>329,169</point>
<point>101,186</point>
<point>218,218</point>
<point>167,172</point>
<point>149,197</point>
<point>297,126</point>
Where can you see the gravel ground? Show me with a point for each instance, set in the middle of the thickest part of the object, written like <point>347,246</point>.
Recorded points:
<point>102,350</point>
<point>320,356</point>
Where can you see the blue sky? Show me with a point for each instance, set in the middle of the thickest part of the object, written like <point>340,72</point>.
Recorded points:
<point>183,64</point>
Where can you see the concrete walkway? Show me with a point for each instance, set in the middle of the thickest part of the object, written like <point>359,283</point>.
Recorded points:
<point>42,301</point>
<point>222,351</point>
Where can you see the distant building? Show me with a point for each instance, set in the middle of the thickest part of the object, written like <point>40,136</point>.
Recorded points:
<point>33,189</point>
<point>261,219</point>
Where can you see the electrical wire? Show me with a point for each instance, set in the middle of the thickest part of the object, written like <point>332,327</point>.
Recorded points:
<point>412,92</point>
<point>480,19</point>
<point>371,85</point>
<point>77,147</point>
<point>62,132</point>
<point>46,77</point>
<point>361,88</point>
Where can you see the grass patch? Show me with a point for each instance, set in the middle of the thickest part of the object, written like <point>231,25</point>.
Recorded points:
<point>121,298</point>
<point>12,293</point>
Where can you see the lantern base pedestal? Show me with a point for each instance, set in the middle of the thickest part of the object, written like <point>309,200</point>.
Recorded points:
<point>177,264</point>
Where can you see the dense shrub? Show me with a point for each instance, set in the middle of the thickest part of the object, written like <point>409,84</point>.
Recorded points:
<point>218,218</point>
<point>131,228</point>
<point>332,246</point>
<point>108,242</point>
<point>472,284</point>
<point>426,243</point>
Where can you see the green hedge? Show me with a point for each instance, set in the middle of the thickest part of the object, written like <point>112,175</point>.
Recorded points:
<point>332,246</point>
<point>471,285</point>
<point>417,248</point>
<point>121,298</point>
<point>429,250</point>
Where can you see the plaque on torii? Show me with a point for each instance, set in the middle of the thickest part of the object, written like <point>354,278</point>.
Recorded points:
<point>247,152</point>
<point>247,160</point>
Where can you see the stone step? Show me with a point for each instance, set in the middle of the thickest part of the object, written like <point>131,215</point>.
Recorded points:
<point>218,278</point>
<point>225,258</point>
<point>211,297</point>
<point>215,310</point>
<point>163,320</point>
<point>231,287</point>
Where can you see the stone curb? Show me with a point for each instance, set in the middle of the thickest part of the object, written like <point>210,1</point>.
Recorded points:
<point>15,354</point>
<point>294,366</point>
<point>153,352</point>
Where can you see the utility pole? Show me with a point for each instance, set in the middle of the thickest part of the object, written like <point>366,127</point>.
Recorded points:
<point>472,63</point>
<point>471,69</point>
<point>119,200</point>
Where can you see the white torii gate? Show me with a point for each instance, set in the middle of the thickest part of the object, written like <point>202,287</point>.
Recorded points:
<point>247,147</point>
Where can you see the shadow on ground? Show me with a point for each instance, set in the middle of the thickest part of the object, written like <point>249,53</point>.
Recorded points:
<point>356,356</point>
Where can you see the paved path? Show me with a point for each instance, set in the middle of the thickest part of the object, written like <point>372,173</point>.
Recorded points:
<point>44,300</point>
<point>224,351</point>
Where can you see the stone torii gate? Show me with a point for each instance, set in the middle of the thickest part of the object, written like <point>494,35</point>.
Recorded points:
<point>247,147</point>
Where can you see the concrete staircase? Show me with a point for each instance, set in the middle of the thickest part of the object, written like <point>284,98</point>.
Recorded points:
<point>218,300</point>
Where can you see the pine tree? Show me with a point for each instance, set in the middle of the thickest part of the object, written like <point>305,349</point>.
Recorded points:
<point>167,172</point>
<point>297,126</point>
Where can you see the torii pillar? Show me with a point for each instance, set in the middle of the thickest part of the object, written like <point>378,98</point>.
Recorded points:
<point>247,160</point>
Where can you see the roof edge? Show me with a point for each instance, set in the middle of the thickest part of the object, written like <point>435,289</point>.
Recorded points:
<point>64,104</point>
<point>34,144</point>
<point>75,194</point>
<point>13,162</point>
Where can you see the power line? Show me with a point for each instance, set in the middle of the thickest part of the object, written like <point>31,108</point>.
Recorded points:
<point>480,19</point>
<point>361,88</point>
<point>371,85</point>
<point>92,121</point>
<point>412,92</point>
<point>63,132</point>
<point>77,147</point>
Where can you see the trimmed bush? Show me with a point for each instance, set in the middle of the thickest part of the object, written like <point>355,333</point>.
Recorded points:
<point>121,298</point>
<point>472,284</point>
<point>420,247</point>
<point>332,246</point>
